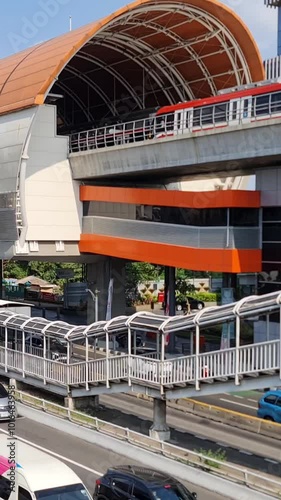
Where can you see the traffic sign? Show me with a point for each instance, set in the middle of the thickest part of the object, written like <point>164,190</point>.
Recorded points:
<point>66,273</point>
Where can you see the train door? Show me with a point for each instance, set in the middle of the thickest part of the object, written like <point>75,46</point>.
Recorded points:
<point>179,122</point>
<point>189,119</point>
<point>234,111</point>
<point>246,109</point>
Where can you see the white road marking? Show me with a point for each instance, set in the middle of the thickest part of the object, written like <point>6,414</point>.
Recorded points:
<point>238,397</point>
<point>222,445</point>
<point>61,457</point>
<point>240,404</point>
<point>271,461</point>
<point>245,452</point>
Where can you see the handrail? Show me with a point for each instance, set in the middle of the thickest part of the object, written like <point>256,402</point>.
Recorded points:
<point>170,450</point>
<point>169,125</point>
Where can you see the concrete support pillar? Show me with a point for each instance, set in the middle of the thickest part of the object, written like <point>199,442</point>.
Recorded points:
<point>69,403</point>
<point>13,383</point>
<point>159,429</point>
<point>98,278</point>
<point>82,403</point>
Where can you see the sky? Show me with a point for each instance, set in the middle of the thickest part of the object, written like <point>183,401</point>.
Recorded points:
<point>24,23</point>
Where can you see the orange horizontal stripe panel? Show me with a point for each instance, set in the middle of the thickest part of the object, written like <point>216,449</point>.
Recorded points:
<point>183,199</point>
<point>196,259</point>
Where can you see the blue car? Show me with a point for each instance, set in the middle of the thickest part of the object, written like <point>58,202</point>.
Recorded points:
<point>270,406</point>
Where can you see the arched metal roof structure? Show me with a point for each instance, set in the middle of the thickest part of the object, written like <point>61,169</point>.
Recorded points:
<point>145,321</point>
<point>149,53</point>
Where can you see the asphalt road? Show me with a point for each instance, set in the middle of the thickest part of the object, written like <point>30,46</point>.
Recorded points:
<point>241,402</point>
<point>87,460</point>
<point>195,433</point>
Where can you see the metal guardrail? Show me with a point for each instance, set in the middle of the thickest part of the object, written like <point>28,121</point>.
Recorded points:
<point>175,124</point>
<point>263,358</point>
<point>224,469</point>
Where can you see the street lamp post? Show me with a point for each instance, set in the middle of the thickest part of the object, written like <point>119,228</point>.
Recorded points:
<point>95,298</point>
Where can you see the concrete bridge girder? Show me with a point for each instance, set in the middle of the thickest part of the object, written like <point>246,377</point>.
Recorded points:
<point>235,149</point>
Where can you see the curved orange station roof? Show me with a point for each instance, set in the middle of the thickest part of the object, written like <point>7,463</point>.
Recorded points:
<point>195,47</point>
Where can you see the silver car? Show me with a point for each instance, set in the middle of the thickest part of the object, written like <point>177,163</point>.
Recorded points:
<point>8,410</point>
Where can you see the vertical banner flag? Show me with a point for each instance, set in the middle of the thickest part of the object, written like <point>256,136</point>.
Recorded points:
<point>109,300</point>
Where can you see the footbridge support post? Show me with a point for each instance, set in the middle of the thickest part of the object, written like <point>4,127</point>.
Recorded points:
<point>159,429</point>
<point>82,403</point>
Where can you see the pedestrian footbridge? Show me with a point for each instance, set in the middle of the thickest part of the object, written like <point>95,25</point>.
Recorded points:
<point>248,366</point>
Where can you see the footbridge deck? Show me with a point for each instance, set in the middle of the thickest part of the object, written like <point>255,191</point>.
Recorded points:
<point>250,366</point>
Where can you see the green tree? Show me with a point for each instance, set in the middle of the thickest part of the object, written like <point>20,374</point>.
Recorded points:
<point>44,270</point>
<point>14,269</point>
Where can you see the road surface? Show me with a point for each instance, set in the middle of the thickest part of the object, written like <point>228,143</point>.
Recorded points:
<point>87,460</point>
<point>195,433</point>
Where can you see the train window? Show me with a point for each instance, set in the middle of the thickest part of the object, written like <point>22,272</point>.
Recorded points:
<point>246,108</point>
<point>234,110</point>
<point>160,124</point>
<point>170,122</point>
<point>262,105</point>
<point>207,115</point>
<point>221,112</point>
<point>276,102</point>
<point>197,117</point>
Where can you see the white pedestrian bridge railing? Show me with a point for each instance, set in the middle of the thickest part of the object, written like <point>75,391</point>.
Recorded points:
<point>263,358</point>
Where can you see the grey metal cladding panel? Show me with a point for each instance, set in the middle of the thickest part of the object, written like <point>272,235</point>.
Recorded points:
<point>8,228</point>
<point>188,236</point>
<point>8,200</point>
<point>150,231</point>
<point>212,237</point>
<point>246,237</point>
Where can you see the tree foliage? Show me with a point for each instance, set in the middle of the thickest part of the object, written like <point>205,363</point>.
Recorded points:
<point>44,270</point>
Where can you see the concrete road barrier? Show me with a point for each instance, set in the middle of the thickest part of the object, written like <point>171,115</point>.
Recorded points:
<point>224,416</point>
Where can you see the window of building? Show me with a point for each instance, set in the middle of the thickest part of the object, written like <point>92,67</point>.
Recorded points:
<point>271,214</point>
<point>242,217</point>
<point>271,232</point>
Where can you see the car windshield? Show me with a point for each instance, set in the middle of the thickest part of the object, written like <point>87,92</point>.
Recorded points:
<point>3,392</point>
<point>72,492</point>
<point>169,492</point>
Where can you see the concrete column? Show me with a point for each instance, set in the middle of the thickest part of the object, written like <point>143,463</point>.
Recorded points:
<point>82,403</point>
<point>98,277</point>
<point>13,382</point>
<point>159,429</point>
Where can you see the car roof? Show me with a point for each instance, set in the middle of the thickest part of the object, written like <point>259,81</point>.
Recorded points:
<point>41,470</point>
<point>274,392</point>
<point>145,474</point>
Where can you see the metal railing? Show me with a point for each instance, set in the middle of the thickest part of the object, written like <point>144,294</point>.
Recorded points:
<point>234,362</point>
<point>251,479</point>
<point>184,121</point>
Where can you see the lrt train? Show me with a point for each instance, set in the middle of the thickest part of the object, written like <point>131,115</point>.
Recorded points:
<point>248,103</point>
